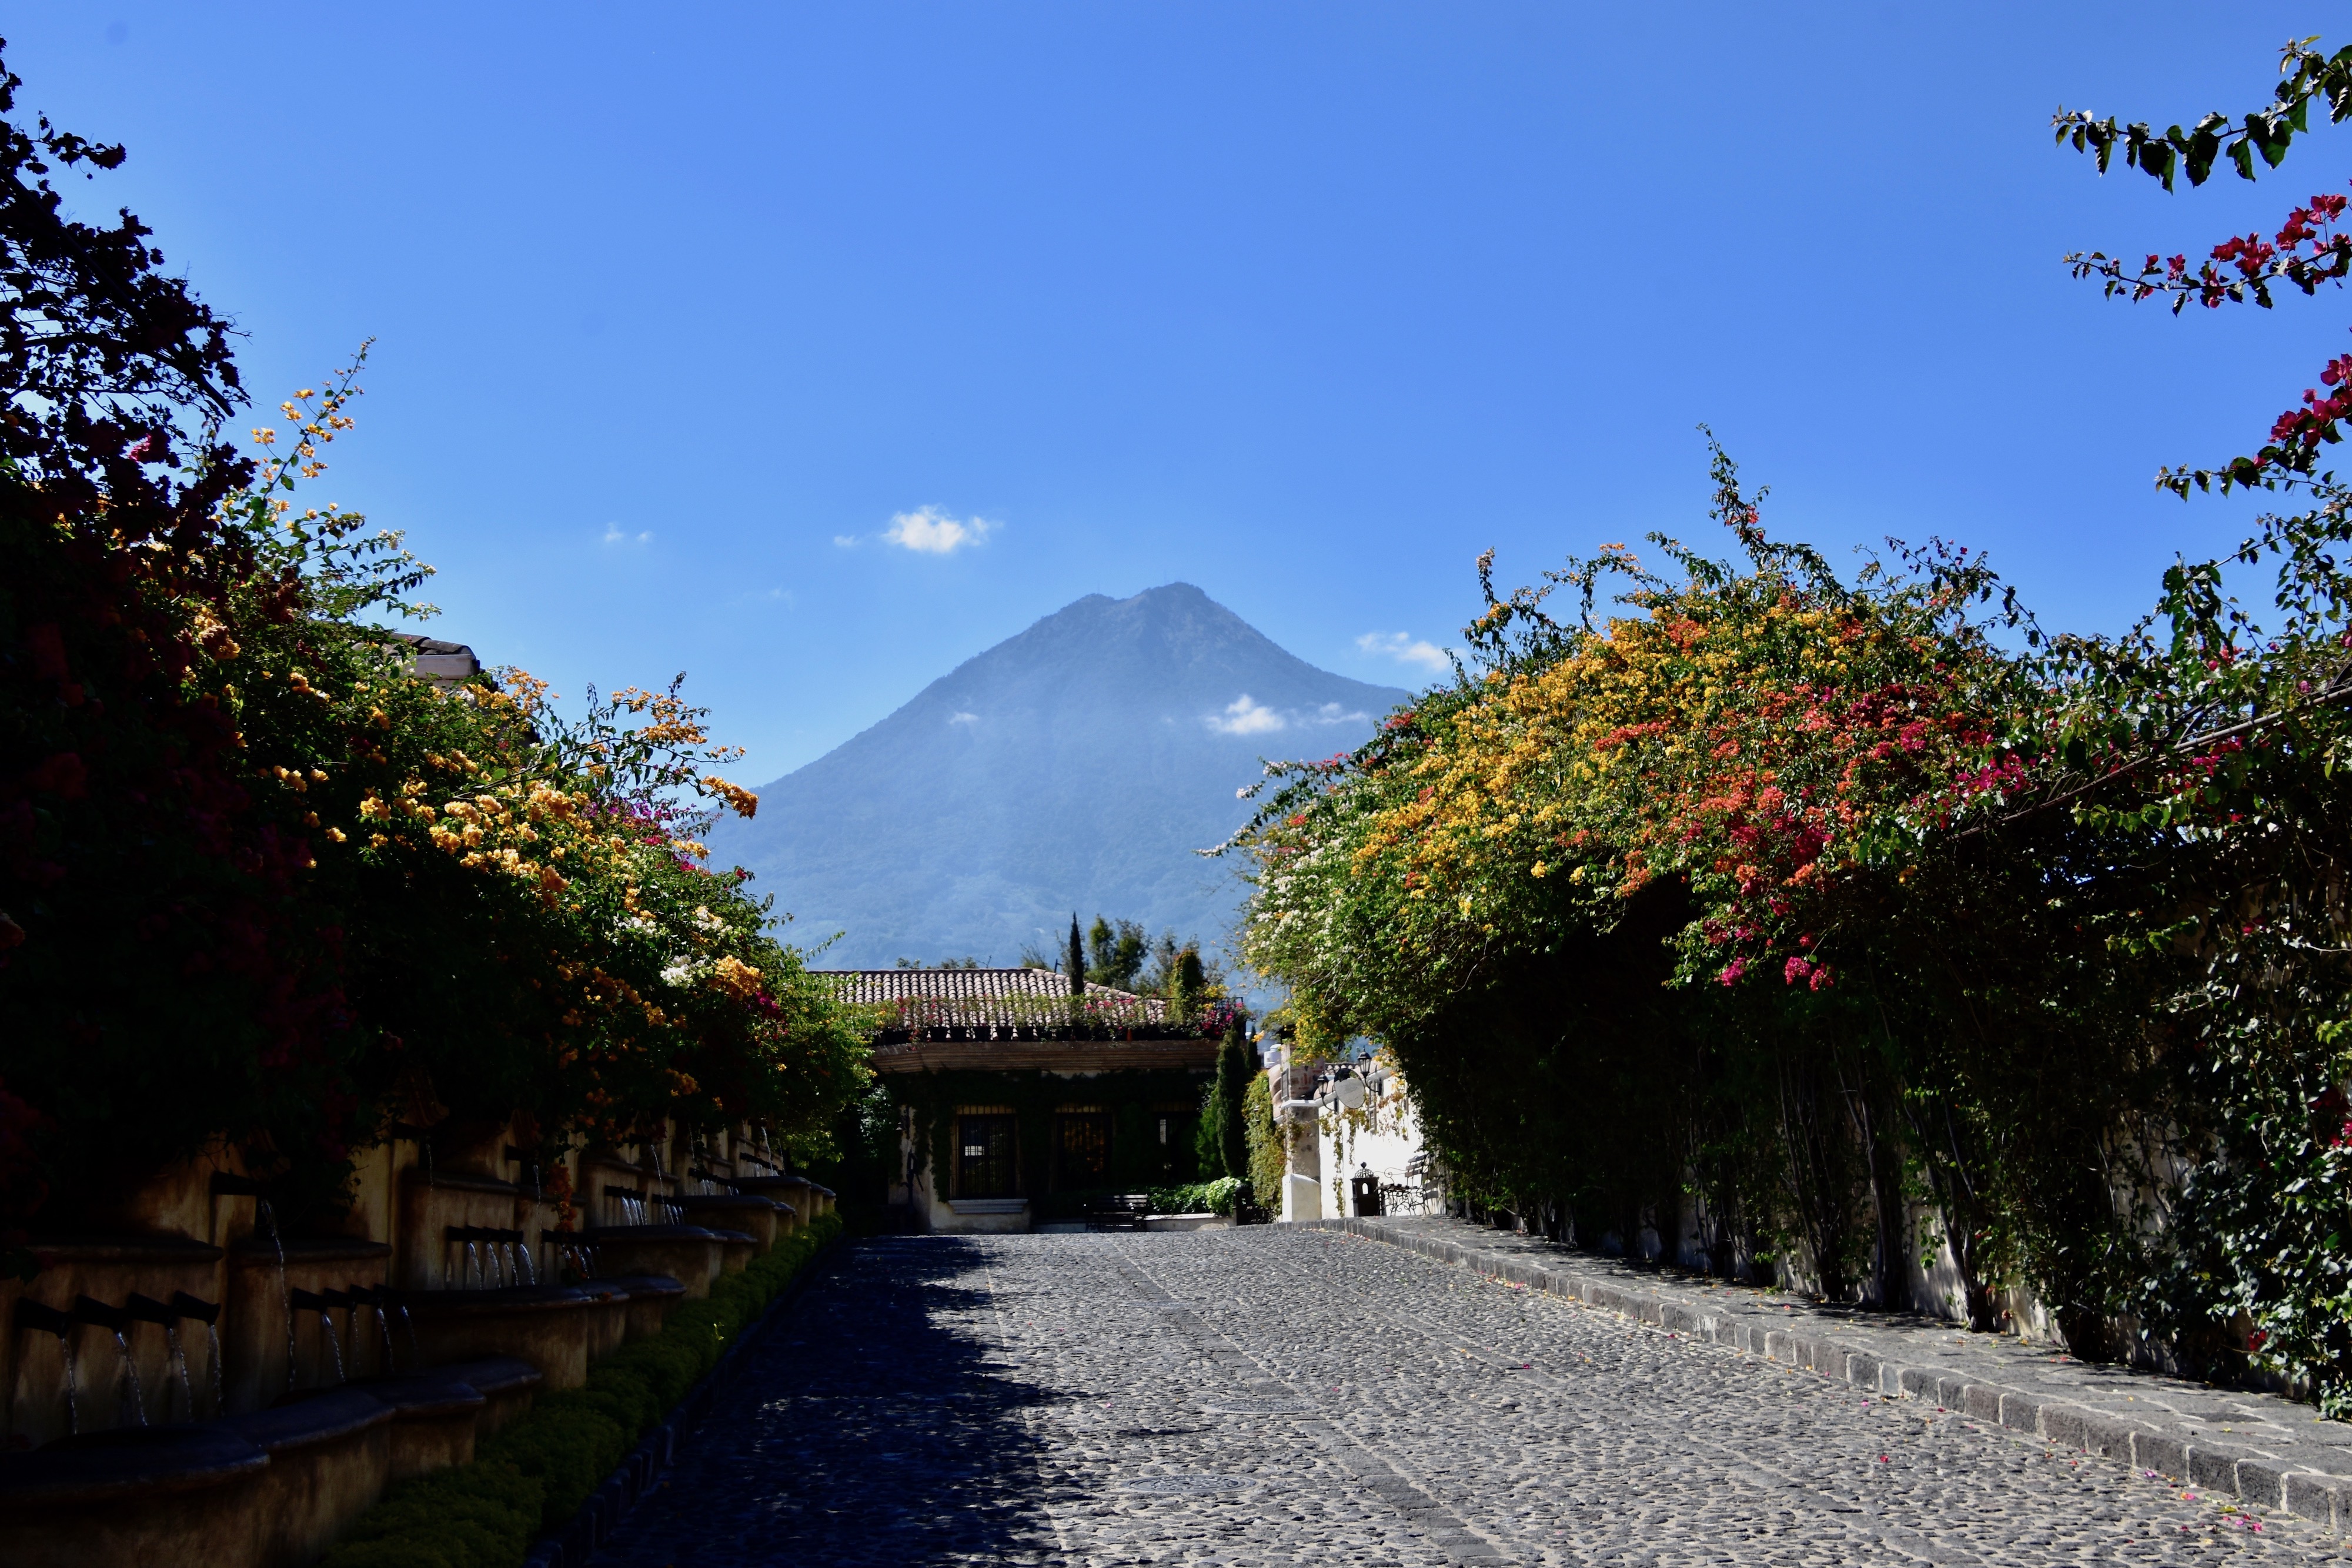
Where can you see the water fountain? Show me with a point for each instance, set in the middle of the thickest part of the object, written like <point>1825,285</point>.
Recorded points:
<point>190,1310</point>
<point>373,1297</point>
<point>114,1320</point>
<point>347,1303</point>
<point>316,1301</point>
<point>143,1309</point>
<point>277,1244</point>
<point>32,1317</point>
<point>275,1457</point>
<point>720,1205</point>
<point>263,1358</point>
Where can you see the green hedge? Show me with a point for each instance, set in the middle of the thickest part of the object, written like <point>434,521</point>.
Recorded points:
<point>533,1476</point>
<point>1197,1197</point>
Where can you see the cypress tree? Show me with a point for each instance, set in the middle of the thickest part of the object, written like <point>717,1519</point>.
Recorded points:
<point>1186,984</point>
<point>1208,1135</point>
<point>1077,960</point>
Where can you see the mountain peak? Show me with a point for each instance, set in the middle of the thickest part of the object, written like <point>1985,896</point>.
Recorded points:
<point>1080,761</point>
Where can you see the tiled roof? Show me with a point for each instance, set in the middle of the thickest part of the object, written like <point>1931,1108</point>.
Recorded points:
<point>965,986</point>
<point>1008,1020</point>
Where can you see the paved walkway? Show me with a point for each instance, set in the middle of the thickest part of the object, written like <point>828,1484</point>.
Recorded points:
<point>1286,1395</point>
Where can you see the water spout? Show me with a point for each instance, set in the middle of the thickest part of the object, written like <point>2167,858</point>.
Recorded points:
<point>130,1374</point>
<point>180,1366</point>
<point>212,1334</point>
<point>416,1356</point>
<point>185,1307</point>
<point>33,1317</point>
<point>334,1345</point>
<point>115,1321</point>
<point>142,1309</point>
<point>285,1291</point>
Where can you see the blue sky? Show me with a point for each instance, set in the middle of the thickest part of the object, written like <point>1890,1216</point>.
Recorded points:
<point>683,312</point>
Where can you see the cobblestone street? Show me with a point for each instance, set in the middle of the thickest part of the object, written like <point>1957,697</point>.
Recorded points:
<point>1272,1396</point>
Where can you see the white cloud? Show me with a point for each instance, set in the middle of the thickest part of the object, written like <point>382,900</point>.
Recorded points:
<point>930,532</point>
<point>1332,713</point>
<point>1405,649</point>
<point>1245,715</point>
<point>963,718</point>
<point>846,541</point>
<point>616,534</point>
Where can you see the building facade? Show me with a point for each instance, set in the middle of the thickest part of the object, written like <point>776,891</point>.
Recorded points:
<point>1019,1102</point>
<point>1352,1137</point>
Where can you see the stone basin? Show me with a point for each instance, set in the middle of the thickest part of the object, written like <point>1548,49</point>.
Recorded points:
<point>686,1253</point>
<point>651,1296</point>
<point>329,1456</point>
<point>738,1251</point>
<point>131,1498</point>
<point>608,1317</point>
<point>506,1383</point>
<point>549,1326</point>
<point>755,1216</point>
<point>799,1194</point>
<point>433,1418</point>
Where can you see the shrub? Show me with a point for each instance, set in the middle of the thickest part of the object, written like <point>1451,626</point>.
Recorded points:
<point>536,1474</point>
<point>668,1367</point>
<point>625,1396</point>
<point>1191,1197</point>
<point>705,1327</point>
<point>481,1515</point>
<point>1197,1197</point>
<point>568,1445</point>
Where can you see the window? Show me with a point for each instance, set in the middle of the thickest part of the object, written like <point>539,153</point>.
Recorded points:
<point>1082,1151</point>
<point>984,1162</point>
<point>1163,1131</point>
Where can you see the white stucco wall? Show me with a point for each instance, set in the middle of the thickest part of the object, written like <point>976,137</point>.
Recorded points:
<point>1330,1144</point>
<point>1382,1135</point>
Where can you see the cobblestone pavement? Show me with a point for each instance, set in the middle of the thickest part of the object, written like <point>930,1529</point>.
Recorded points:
<point>2255,1447</point>
<point>1275,1396</point>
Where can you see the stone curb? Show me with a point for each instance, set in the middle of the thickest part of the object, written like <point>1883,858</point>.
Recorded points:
<point>2316,1496</point>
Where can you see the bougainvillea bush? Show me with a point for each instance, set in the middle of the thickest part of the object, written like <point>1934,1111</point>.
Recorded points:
<point>1717,891</point>
<point>1805,906</point>
<point>258,882</point>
